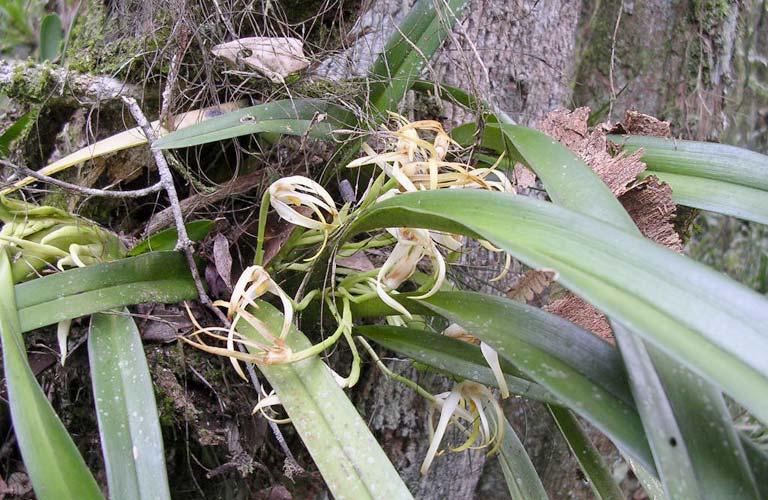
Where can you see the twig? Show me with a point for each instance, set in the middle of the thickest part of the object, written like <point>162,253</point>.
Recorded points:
<point>137,193</point>
<point>237,186</point>
<point>185,244</point>
<point>613,60</point>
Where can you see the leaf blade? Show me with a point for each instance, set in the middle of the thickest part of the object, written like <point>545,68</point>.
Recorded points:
<point>348,456</point>
<point>131,440</point>
<point>314,117</point>
<point>451,356</point>
<point>590,460</point>
<point>53,463</point>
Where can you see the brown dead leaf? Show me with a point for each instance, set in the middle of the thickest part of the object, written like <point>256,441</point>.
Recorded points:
<point>531,284</point>
<point>357,261</point>
<point>570,129</point>
<point>222,259</point>
<point>651,207</point>
<point>577,311</point>
<point>274,57</point>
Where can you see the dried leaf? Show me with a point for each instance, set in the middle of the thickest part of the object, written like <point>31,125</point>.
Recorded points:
<point>222,259</point>
<point>577,311</point>
<point>531,284</point>
<point>164,323</point>
<point>357,261</point>
<point>651,207</point>
<point>570,128</point>
<point>274,57</point>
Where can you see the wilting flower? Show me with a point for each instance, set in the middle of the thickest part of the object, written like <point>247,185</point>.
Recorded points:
<point>412,245</point>
<point>252,284</point>
<point>467,404</point>
<point>288,193</point>
<point>491,357</point>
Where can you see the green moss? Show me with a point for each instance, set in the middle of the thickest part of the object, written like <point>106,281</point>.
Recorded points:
<point>96,46</point>
<point>30,82</point>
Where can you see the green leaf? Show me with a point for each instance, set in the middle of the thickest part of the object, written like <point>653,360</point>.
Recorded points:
<point>650,483</point>
<point>152,277</point>
<point>15,131</point>
<point>685,473</point>
<point>312,117</point>
<point>717,196</point>
<point>580,369</point>
<point>706,175</point>
<point>703,319</point>
<point>409,50</point>
<point>346,453</point>
<point>453,357</point>
<point>707,160</point>
<point>166,239</point>
<point>52,461</point>
<point>591,463</point>
<point>568,180</point>
<point>131,439</point>
<point>51,37</point>
<point>673,461</point>
<point>522,480</point>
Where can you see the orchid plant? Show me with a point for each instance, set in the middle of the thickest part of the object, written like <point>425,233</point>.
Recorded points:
<point>413,159</point>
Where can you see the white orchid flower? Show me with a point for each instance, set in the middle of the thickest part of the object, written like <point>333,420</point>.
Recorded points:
<point>252,284</point>
<point>298,191</point>
<point>412,245</point>
<point>467,402</point>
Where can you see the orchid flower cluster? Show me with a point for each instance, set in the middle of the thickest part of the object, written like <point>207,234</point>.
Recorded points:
<point>415,160</point>
<point>417,164</point>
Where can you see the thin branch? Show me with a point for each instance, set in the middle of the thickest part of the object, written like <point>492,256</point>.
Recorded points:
<point>137,193</point>
<point>60,84</point>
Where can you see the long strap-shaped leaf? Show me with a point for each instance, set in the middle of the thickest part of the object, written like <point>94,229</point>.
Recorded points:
<point>131,439</point>
<point>707,160</point>
<point>53,462</point>
<point>409,50</point>
<point>702,318</point>
<point>687,468</point>
<point>151,277</point>
<point>522,480</point>
<point>313,117</point>
<point>590,461</point>
<point>717,196</point>
<point>655,407</point>
<point>670,449</point>
<point>348,456</point>
<point>452,356</point>
<point>706,175</point>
